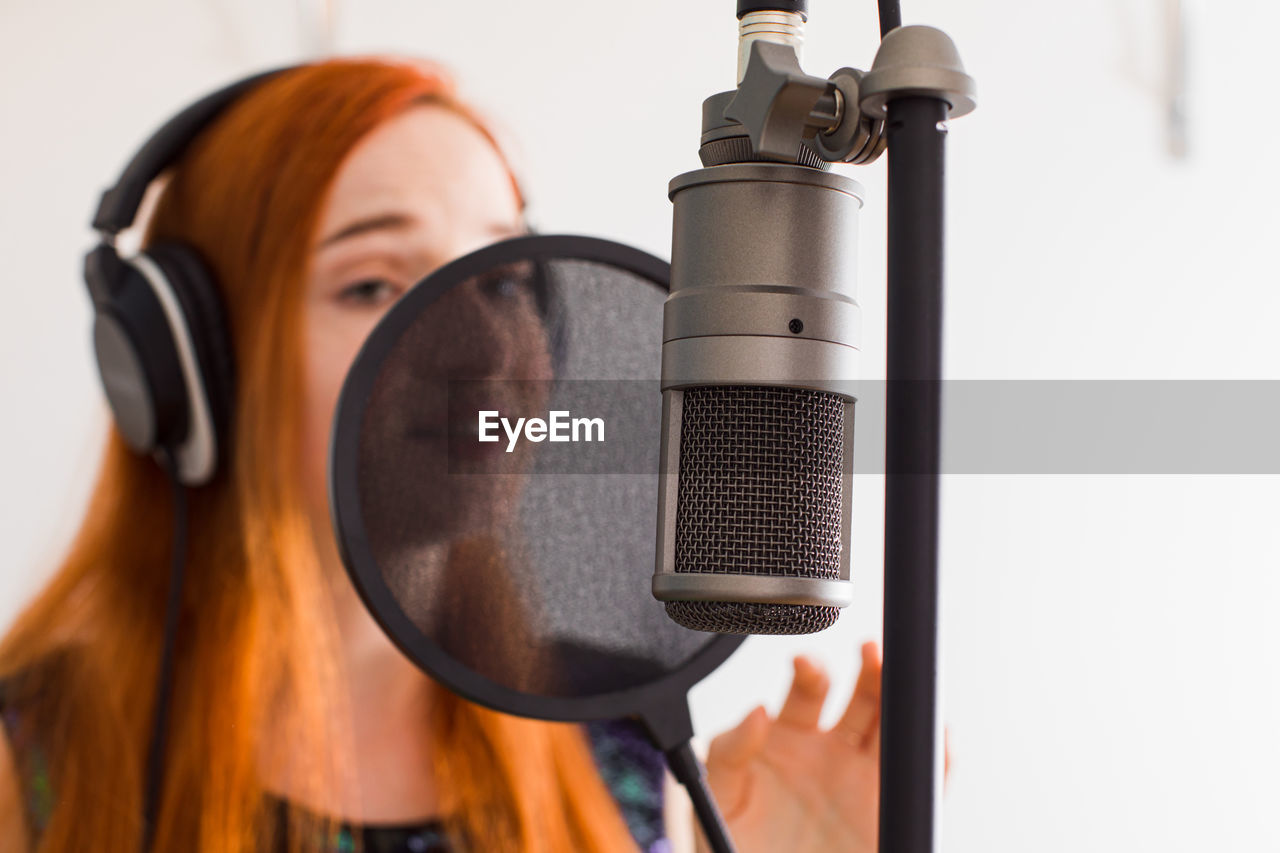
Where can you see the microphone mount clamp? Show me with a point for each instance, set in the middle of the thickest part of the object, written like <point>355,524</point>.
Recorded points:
<point>782,110</point>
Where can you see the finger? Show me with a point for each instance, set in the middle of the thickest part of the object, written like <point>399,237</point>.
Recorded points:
<point>727,758</point>
<point>732,749</point>
<point>946,755</point>
<point>809,689</point>
<point>861,718</point>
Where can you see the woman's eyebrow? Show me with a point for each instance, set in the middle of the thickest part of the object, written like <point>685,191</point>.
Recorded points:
<point>392,221</point>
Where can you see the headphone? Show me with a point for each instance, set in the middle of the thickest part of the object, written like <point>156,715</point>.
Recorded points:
<point>160,332</point>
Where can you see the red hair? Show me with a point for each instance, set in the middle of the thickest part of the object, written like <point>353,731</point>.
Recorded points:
<point>256,626</point>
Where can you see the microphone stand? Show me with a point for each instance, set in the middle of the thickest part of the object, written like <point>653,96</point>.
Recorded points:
<point>915,84</point>
<point>910,766</point>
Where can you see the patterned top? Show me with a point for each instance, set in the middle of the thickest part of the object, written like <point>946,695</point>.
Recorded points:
<point>630,766</point>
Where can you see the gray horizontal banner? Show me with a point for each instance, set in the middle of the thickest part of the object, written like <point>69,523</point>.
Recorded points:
<point>1090,427</point>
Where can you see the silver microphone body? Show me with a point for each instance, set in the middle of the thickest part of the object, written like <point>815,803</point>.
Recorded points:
<point>760,352</point>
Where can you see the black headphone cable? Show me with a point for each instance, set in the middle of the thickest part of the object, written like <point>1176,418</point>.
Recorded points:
<point>164,681</point>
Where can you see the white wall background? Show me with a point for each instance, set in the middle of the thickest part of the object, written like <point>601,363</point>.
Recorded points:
<point>1111,678</point>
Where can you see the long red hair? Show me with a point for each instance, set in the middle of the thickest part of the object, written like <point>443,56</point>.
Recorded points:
<point>81,659</point>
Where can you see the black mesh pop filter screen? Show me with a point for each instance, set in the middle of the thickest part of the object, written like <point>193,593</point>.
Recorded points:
<point>493,479</point>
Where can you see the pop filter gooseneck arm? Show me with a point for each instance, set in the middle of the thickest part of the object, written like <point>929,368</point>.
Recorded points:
<point>671,728</point>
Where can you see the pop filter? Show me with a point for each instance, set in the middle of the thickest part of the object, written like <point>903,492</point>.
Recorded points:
<point>492,473</point>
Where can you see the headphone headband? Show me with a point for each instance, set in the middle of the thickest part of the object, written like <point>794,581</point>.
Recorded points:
<point>119,204</point>
<point>160,334</point>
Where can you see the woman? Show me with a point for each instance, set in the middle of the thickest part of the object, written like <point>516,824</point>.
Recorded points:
<point>317,199</point>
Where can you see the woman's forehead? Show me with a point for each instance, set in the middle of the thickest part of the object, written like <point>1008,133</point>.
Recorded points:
<point>429,162</point>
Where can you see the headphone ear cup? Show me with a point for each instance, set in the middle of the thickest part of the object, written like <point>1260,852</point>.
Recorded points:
<point>207,326</point>
<point>135,351</point>
<point>138,363</point>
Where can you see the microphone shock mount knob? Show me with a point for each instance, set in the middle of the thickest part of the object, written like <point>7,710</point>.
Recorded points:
<point>778,104</point>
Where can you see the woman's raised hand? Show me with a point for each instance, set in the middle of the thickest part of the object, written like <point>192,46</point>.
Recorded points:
<point>785,784</point>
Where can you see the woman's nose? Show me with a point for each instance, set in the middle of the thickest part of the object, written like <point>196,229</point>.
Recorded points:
<point>476,333</point>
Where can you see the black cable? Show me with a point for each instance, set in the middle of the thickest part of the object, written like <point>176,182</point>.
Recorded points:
<point>688,772</point>
<point>890,16</point>
<point>164,681</point>
<point>800,7</point>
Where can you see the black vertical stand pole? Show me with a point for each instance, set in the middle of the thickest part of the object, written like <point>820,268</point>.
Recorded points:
<point>910,762</point>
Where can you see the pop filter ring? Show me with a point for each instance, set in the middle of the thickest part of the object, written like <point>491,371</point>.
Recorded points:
<point>661,705</point>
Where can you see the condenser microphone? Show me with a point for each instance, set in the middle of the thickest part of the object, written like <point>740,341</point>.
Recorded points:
<point>760,350</point>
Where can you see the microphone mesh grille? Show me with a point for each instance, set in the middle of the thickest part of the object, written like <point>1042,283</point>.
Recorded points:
<point>761,482</point>
<point>760,493</point>
<point>734,617</point>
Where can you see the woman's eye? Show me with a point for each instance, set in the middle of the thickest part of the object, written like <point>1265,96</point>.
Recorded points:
<point>370,292</point>
<point>504,286</point>
<point>507,282</point>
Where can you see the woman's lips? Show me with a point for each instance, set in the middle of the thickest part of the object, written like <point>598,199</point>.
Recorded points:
<point>462,435</point>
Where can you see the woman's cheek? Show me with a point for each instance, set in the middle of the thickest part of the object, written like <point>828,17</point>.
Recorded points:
<point>336,336</point>
<point>326,369</point>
